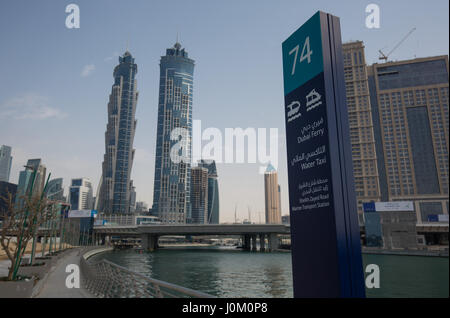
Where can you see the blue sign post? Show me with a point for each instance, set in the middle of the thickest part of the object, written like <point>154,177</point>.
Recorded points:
<point>325,242</point>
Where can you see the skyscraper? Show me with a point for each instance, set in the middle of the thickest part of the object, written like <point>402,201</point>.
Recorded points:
<point>365,168</point>
<point>119,153</point>
<point>26,179</point>
<point>5,163</point>
<point>172,193</point>
<point>55,190</point>
<point>39,183</point>
<point>80,194</point>
<point>24,183</point>
<point>213,190</point>
<point>199,195</point>
<point>410,113</point>
<point>272,196</point>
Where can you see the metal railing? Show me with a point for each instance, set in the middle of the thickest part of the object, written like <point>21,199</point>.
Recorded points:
<point>108,280</point>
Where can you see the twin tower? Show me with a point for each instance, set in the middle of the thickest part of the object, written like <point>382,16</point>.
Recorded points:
<point>172,183</point>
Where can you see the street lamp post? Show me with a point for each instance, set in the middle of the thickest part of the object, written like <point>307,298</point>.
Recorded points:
<point>55,229</point>
<point>19,256</point>
<point>33,248</point>
<point>52,224</point>
<point>62,231</point>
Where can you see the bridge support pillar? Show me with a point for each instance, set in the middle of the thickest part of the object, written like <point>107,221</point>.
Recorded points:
<point>149,242</point>
<point>262,242</point>
<point>274,242</point>
<point>246,242</point>
<point>253,243</point>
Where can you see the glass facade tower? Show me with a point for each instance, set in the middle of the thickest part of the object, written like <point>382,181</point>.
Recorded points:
<point>199,195</point>
<point>213,190</point>
<point>55,190</point>
<point>119,153</point>
<point>26,179</point>
<point>171,196</point>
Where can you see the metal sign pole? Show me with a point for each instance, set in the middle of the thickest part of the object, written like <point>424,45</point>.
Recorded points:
<point>326,251</point>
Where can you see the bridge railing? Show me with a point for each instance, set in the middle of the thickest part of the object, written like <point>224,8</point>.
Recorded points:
<point>108,280</point>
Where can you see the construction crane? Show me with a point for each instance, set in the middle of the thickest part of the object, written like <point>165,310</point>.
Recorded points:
<point>385,56</point>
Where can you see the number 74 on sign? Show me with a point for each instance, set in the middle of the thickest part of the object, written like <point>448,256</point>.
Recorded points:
<point>306,54</point>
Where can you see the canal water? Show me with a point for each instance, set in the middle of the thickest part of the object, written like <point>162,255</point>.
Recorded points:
<point>227,272</point>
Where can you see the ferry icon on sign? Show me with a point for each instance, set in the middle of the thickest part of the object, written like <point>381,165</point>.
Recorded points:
<point>313,99</point>
<point>294,111</point>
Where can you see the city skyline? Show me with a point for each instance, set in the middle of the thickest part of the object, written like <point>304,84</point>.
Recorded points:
<point>82,157</point>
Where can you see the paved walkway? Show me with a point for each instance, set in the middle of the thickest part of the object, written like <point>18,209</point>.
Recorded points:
<point>53,285</point>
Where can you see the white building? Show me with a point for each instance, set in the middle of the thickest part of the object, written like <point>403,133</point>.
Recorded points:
<point>81,194</point>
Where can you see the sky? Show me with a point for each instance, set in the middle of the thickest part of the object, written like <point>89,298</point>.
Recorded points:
<point>55,82</point>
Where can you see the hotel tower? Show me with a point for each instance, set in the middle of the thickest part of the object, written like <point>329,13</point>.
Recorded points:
<point>114,195</point>
<point>172,192</point>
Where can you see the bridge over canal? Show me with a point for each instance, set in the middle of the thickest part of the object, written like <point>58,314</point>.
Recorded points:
<point>149,234</point>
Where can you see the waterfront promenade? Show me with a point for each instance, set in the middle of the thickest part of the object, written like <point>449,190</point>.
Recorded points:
<point>103,279</point>
<point>53,284</point>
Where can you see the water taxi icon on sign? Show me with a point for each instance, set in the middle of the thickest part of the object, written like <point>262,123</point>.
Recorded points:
<point>313,99</point>
<point>294,111</point>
